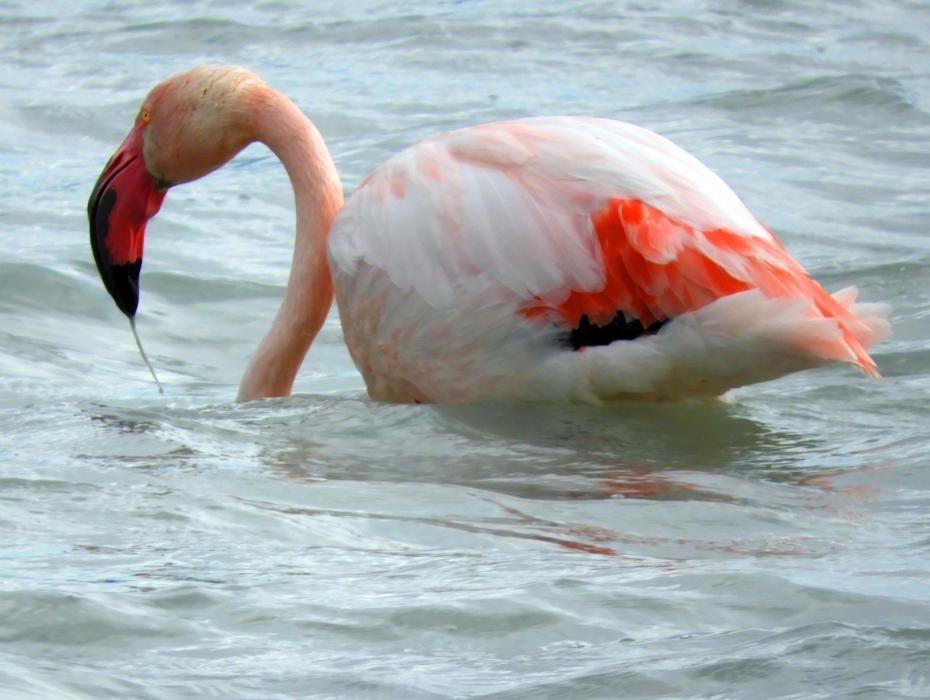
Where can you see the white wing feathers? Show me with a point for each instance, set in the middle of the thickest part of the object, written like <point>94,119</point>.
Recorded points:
<point>510,204</point>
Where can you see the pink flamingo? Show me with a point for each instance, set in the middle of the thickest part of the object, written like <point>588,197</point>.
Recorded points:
<point>554,258</point>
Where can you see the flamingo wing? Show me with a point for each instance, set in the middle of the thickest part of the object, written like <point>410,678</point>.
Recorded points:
<point>597,228</point>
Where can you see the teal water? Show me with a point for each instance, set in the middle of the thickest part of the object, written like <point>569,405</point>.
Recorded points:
<point>776,545</point>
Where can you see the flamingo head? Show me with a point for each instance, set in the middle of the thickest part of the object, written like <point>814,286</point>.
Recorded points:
<point>188,125</point>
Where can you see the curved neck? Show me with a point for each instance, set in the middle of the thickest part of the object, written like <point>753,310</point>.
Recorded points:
<point>293,138</point>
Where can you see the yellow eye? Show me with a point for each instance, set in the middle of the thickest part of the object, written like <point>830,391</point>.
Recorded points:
<point>146,116</point>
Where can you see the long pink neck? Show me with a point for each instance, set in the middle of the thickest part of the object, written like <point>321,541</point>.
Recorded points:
<point>293,138</point>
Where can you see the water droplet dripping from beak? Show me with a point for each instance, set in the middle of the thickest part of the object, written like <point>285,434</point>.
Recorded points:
<point>132,324</point>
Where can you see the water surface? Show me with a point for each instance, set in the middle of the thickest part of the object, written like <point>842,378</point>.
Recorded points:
<point>176,546</point>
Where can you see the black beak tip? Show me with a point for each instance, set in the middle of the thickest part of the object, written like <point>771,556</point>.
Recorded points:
<point>122,282</point>
<point>124,286</point>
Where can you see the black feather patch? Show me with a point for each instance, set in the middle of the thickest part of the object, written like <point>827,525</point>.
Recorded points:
<point>587,334</point>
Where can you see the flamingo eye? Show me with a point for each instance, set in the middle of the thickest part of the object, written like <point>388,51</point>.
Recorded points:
<point>145,115</point>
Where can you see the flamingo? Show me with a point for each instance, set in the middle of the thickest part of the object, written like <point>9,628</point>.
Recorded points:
<point>551,258</point>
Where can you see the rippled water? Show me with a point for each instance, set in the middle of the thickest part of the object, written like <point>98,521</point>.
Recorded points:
<point>177,546</point>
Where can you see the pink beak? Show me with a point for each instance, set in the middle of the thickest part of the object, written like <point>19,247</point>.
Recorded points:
<point>124,199</point>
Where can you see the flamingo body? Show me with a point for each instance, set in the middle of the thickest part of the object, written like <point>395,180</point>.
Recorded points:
<point>572,258</point>
<point>558,258</point>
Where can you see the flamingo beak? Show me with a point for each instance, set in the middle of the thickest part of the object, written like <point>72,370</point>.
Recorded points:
<point>124,199</point>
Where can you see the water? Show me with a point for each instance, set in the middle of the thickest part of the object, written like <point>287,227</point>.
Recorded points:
<point>177,546</point>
